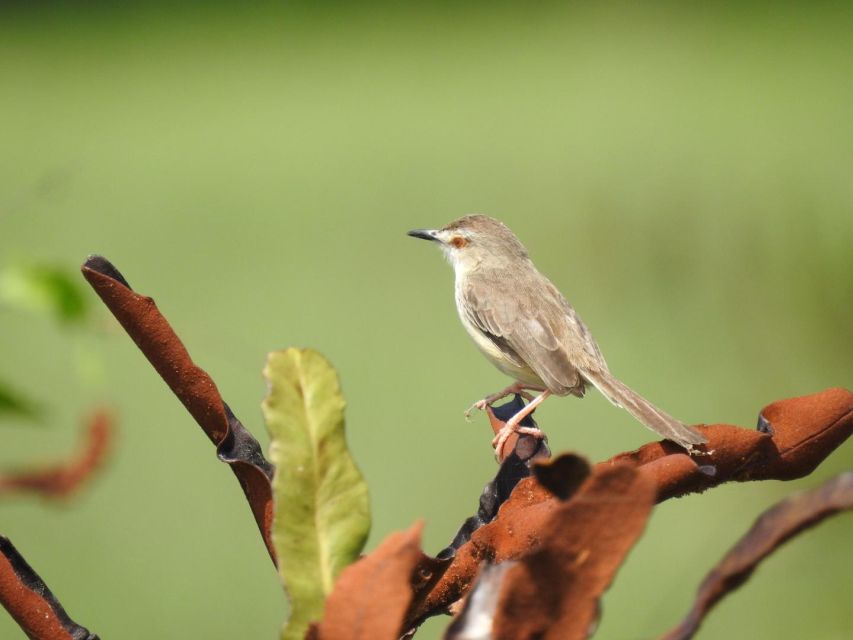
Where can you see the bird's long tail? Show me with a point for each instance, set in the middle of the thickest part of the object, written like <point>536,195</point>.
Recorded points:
<point>658,421</point>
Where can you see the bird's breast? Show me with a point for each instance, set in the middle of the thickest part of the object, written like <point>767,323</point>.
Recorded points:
<point>492,351</point>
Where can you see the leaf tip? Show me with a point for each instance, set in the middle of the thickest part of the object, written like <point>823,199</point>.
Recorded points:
<point>99,264</point>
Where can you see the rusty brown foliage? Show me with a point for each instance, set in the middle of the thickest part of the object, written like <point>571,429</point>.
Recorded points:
<point>553,592</point>
<point>371,597</point>
<point>30,603</point>
<point>566,534</point>
<point>795,436</point>
<point>152,333</point>
<point>61,479</point>
<point>805,431</point>
<point>776,526</point>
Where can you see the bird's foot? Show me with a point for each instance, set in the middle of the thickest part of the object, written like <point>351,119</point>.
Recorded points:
<point>488,401</point>
<point>499,441</point>
<point>513,425</point>
<point>480,405</point>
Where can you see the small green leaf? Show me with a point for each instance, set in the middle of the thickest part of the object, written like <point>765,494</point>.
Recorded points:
<point>322,513</point>
<point>45,289</point>
<point>13,403</point>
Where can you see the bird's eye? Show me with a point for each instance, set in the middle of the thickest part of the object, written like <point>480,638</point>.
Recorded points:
<point>458,242</point>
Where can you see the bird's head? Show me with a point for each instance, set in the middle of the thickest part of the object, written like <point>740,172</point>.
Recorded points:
<point>474,240</point>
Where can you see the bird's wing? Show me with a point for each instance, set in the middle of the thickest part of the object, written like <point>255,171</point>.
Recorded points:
<point>535,321</point>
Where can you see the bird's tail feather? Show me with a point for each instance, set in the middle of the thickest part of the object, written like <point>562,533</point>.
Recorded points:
<point>658,421</point>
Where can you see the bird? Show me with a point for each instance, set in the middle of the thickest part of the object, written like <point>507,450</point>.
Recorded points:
<point>523,324</point>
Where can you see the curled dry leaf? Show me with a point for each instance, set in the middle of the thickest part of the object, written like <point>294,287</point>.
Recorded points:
<point>62,479</point>
<point>371,597</point>
<point>321,507</point>
<point>192,385</point>
<point>476,620</point>
<point>520,453</point>
<point>554,592</point>
<point>514,533</point>
<point>563,476</point>
<point>776,526</point>
<point>793,438</point>
<point>32,605</point>
<point>804,431</point>
<point>428,571</point>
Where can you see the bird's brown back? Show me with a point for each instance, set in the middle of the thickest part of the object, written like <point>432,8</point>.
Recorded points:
<point>524,313</point>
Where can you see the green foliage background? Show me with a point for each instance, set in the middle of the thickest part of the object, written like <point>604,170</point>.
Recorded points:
<point>683,173</point>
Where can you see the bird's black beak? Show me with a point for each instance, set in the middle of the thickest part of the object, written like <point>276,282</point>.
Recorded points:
<point>424,234</point>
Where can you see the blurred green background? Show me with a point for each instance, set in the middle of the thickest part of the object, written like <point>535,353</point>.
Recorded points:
<point>684,174</point>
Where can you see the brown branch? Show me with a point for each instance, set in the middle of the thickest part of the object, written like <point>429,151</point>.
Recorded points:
<point>192,385</point>
<point>519,458</point>
<point>797,435</point>
<point>32,605</point>
<point>64,478</point>
<point>776,526</point>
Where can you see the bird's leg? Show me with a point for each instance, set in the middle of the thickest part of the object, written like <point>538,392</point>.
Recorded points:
<point>515,387</point>
<point>511,425</point>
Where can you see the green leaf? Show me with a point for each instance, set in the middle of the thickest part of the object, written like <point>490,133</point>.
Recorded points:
<point>45,289</point>
<point>13,403</point>
<point>322,515</point>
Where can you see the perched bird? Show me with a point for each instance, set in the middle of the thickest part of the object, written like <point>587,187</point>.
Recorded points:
<point>527,329</point>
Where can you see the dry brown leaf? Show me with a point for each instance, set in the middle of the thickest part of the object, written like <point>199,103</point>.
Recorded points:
<point>32,605</point>
<point>64,478</point>
<point>553,593</point>
<point>152,333</point>
<point>371,597</point>
<point>797,434</point>
<point>777,525</point>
